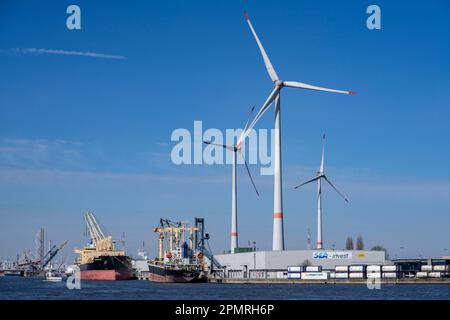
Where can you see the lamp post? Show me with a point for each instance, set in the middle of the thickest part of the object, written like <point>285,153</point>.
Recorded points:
<point>254,255</point>
<point>401,251</point>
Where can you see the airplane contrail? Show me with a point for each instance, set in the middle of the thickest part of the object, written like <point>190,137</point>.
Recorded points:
<point>67,53</point>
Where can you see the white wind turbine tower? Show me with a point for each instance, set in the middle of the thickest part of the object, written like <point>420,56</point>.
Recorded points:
<point>319,176</point>
<point>278,233</point>
<point>235,148</point>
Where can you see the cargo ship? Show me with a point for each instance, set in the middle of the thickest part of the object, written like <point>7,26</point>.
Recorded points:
<point>99,260</point>
<point>181,262</point>
<point>173,273</point>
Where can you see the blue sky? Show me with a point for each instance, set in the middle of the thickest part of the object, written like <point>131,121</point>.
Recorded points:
<point>80,132</point>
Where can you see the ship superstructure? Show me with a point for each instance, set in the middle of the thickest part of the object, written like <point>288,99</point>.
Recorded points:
<point>180,257</point>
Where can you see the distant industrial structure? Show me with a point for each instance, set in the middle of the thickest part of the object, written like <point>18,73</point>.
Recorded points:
<point>30,264</point>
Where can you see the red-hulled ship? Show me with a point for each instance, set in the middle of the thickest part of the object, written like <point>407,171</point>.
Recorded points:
<point>107,268</point>
<point>99,260</point>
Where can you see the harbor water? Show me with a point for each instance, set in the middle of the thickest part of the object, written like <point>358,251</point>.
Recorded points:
<point>36,288</point>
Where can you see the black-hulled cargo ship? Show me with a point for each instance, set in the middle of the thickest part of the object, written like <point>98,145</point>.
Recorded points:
<point>168,273</point>
<point>181,262</point>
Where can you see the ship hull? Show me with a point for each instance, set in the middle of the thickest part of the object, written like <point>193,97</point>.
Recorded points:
<point>107,268</point>
<point>163,274</point>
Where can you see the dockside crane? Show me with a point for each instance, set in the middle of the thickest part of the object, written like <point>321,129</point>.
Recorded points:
<point>52,253</point>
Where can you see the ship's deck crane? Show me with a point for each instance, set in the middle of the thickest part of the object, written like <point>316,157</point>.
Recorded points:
<point>173,231</point>
<point>98,238</point>
<point>100,245</point>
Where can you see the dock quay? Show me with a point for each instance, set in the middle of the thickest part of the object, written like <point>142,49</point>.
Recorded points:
<point>328,281</point>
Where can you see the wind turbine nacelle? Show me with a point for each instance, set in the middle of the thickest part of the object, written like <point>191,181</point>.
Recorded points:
<point>279,83</point>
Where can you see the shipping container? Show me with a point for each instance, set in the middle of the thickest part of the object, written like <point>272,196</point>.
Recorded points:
<point>356,275</point>
<point>244,249</point>
<point>373,275</point>
<point>314,275</point>
<point>440,267</point>
<point>341,268</point>
<point>294,275</point>
<point>426,267</point>
<point>359,268</point>
<point>332,275</point>
<point>341,275</point>
<point>373,269</point>
<point>389,268</point>
<point>390,275</point>
<point>422,274</point>
<point>313,269</point>
<point>435,274</point>
<point>295,269</point>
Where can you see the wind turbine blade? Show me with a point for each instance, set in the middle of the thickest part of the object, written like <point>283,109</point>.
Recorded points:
<point>248,118</point>
<point>249,174</point>
<point>231,148</point>
<point>309,181</point>
<point>261,111</point>
<point>272,73</point>
<point>329,182</point>
<point>301,85</point>
<point>323,154</point>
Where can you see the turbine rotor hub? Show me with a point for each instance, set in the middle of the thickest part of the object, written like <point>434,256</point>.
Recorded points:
<point>279,83</point>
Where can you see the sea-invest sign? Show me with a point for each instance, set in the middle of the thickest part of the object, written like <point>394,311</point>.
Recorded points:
<point>328,255</point>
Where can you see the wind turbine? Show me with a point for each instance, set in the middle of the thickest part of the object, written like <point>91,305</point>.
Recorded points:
<point>278,233</point>
<point>319,176</point>
<point>235,148</point>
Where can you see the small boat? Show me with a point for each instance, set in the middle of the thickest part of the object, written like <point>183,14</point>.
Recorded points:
<point>52,277</point>
<point>14,273</point>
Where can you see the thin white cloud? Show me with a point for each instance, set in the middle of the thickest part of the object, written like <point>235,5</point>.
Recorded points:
<point>39,153</point>
<point>66,53</point>
<point>32,177</point>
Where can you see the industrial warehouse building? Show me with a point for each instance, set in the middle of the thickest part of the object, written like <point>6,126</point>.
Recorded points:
<point>272,263</point>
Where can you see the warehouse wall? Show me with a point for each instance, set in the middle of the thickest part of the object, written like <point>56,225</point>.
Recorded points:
<point>283,259</point>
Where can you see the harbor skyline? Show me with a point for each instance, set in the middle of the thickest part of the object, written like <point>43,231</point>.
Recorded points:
<point>92,132</point>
